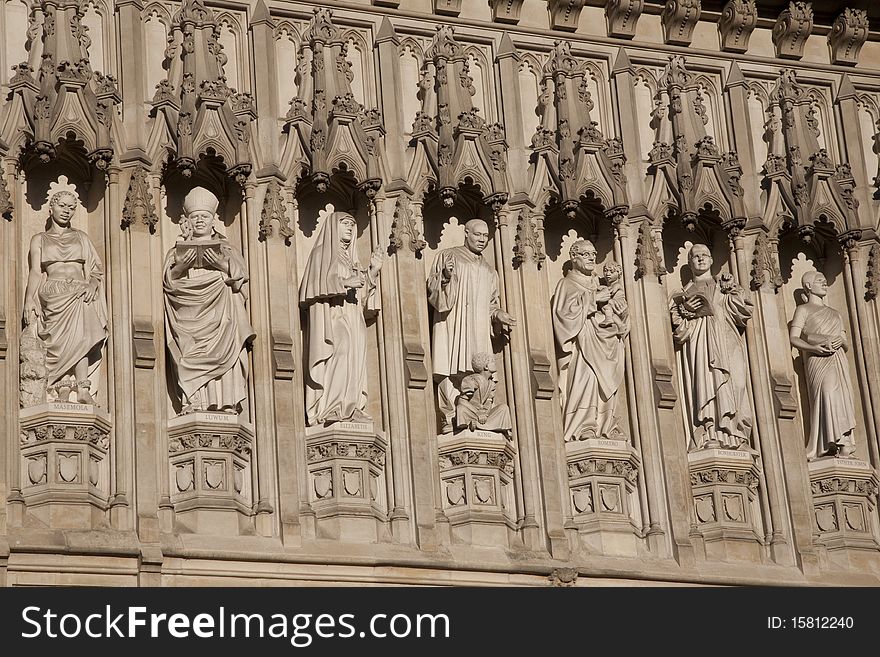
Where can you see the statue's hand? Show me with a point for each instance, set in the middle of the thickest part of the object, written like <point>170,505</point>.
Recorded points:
<point>30,312</point>
<point>448,267</point>
<point>603,295</point>
<point>355,281</point>
<point>505,319</point>
<point>90,291</point>
<point>377,259</point>
<point>218,261</point>
<point>183,264</point>
<point>835,344</point>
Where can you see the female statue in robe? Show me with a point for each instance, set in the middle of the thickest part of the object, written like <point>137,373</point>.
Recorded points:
<point>337,291</point>
<point>817,330</point>
<point>205,282</point>
<point>64,301</point>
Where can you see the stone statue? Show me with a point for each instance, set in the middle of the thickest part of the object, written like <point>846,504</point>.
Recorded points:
<point>817,330</point>
<point>475,407</point>
<point>708,318</point>
<point>65,313</point>
<point>205,282</point>
<point>338,291</point>
<point>590,320</point>
<point>463,290</point>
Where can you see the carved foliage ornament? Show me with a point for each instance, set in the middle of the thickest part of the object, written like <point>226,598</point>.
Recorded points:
<point>6,207</point>
<point>274,209</point>
<point>872,284</point>
<point>647,257</point>
<point>528,241</point>
<point>765,270</point>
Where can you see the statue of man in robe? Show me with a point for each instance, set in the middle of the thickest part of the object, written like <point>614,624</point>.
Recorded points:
<point>817,330</point>
<point>590,320</point>
<point>205,282</point>
<point>338,292</point>
<point>708,319</point>
<point>463,290</point>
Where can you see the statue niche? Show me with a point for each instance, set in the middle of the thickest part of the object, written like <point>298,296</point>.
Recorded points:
<point>708,318</point>
<point>65,312</point>
<point>206,289</point>
<point>337,292</point>
<point>590,320</point>
<point>817,330</point>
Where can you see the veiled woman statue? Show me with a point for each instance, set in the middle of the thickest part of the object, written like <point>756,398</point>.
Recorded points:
<point>64,301</point>
<point>337,291</point>
<point>205,282</point>
<point>817,330</point>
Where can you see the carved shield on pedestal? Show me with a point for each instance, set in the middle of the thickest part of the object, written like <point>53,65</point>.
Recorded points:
<point>214,474</point>
<point>374,488</point>
<point>323,484</point>
<point>825,518</point>
<point>610,497</point>
<point>238,480</point>
<point>68,467</point>
<point>93,471</point>
<point>37,469</point>
<point>183,476</point>
<point>484,489</point>
<point>351,482</point>
<point>583,501</point>
<point>705,509</point>
<point>455,491</point>
<point>733,507</point>
<point>854,518</point>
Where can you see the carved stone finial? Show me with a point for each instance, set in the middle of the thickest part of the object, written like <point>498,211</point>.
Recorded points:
<point>528,241</point>
<point>679,18</point>
<point>738,20</point>
<point>647,257</point>
<point>138,206</point>
<point>765,270</point>
<point>404,229</point>
<point>622,16</point>
<point>872,282</point>
<point>848,34</point>
<point>564,14</point>
<point>792,29</point>
<point>274,209</point>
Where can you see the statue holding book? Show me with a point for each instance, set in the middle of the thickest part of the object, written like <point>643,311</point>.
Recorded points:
<point>205,283</point>
<point>708,318</point>
<point>817,331</point>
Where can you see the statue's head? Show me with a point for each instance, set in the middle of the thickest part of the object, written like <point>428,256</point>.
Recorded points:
<point>583,256</point>
<point>347,228</point>
<point>700,259</point>
<point>611,271</point>
<point>483,362</point>
<point>200,211</point>
<point>476,235</point>
<point>815,282</point>
<point>62,206</point>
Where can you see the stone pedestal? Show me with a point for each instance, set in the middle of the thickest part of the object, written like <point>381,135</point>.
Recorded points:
<point>844,503</point>
<point>65,466</point>
<point>210,469</point>
<point>346,462</point>
<point>476,486</point>
<point>726,509</point>
<point>602,477</point>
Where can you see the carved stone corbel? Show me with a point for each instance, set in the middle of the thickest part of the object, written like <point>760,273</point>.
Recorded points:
<point>848,34</point>
<point>679,18</point>
<point>792,29</point>
<point>565,14</point>
<point>738,20</point>
<point>622,16</point>
<point>447,7</point>
<point>506,11</point>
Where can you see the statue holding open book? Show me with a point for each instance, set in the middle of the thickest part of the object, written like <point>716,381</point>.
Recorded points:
<point>708,318</point>
<point>205,283</point>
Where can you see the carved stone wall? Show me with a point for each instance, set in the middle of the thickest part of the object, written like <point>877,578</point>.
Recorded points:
<point>644,128</point>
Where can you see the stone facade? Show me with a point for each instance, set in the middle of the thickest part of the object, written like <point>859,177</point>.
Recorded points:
<point>655,419</point>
